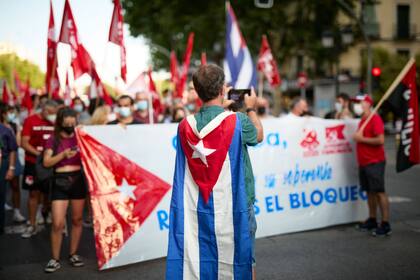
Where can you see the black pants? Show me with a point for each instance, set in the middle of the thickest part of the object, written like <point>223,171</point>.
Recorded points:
<point>3,190</point>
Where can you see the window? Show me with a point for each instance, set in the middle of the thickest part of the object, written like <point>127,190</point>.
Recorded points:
<point>403,22</point>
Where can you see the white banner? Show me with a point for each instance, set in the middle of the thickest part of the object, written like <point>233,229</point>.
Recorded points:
<point>305,170</point>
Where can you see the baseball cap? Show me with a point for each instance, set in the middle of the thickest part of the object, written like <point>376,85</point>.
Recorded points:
<point>364,97</point>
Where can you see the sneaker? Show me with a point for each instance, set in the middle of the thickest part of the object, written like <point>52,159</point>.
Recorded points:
<point>39,218</point>
<point>29,231</point>
<point>49,219</point>
<point>384,229</point>
<point>17,217</point>
<point>52,266</point>
<point>368,225</point>
<point>76,260</point>
<point>7,207</point>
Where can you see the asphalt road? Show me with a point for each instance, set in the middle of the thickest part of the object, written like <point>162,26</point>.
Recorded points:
<point>338,252</point>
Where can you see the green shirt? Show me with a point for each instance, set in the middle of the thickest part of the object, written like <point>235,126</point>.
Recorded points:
<point>249,137</point>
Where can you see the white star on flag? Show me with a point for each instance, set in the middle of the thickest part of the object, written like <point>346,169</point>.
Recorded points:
<point>201,152</point>
<point>126,191</point>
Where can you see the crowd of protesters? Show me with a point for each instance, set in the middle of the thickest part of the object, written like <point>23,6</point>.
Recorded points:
<point>46,136</point>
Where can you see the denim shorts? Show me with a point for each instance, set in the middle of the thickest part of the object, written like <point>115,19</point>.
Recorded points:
<point>252,230</point>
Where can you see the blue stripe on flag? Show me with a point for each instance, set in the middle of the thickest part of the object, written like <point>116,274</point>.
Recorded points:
<point>242,256</point>
<point>175,259</point>
<point>207,238</point>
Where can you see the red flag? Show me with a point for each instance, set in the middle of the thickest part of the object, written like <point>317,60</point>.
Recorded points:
<point>203,58</point>
<point>405,103</point>
<point>116,35</point>
<point>123,195</point>
<point>157,105</point>
<point>267,64</point>
<point>6,98</point>
<point>174,69</point>
<point>69,35</point>
<point>18,84</point>
<point>27,100</point>
<point>187,58</point>
<point>51,74</point>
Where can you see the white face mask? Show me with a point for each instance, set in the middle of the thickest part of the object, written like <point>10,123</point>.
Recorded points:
<point>338,106</point>
<point>358,109</point>
<point>51,118</point>
<point>78,108</point>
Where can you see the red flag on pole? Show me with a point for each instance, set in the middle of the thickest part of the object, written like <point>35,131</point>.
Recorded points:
<point>18,84</point>
<point>157,105</point>
<point>203,58</point>
<point>267,64</point>
<point>52,83</point>
<point>6,95</point>
<point>187,58</point>
<point>27,100</point>
<point>174,69</point>
<point>69,35</point>
<point>405,103</point>
<point>116,35</point>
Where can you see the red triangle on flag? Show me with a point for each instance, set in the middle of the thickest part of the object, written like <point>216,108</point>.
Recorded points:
<point>122,194</point>
<point>205,170</point>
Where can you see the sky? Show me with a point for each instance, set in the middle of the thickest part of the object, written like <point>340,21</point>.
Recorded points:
<point>24,23</point>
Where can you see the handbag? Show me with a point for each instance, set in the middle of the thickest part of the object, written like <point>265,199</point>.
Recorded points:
<point>44,175</point>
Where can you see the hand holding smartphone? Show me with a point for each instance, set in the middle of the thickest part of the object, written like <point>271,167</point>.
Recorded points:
<point>237,95</point>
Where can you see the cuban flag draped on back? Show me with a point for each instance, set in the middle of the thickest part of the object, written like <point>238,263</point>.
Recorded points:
<point>209,233</point>
<point>238,65</point>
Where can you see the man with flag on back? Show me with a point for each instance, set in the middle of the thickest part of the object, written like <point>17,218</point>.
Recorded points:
<point>212,219</point>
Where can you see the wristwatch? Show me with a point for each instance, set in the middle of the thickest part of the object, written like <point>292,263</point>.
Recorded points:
<point>250,110</point>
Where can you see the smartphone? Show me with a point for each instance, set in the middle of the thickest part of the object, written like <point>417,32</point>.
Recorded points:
<point>74,149</point>
<point>237,95</point>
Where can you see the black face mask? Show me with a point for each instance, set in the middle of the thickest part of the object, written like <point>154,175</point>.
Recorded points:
<point>68,129</point>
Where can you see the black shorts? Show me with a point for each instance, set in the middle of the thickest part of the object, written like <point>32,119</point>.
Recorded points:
<point>29,177</point>
<point>69,185</point>
<point>372,177</point>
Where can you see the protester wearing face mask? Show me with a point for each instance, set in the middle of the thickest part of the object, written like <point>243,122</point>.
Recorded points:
<point>80,108</point>
<point>37,129</point>
<point>142,109</point>
<point>68,186</point>
<point>357,108</point>
<point>299,108</point>
<point>9,119</point>
<point>371,158</point>
<point>342,107</point>
<point>125,111</point>
<point>263,108</point>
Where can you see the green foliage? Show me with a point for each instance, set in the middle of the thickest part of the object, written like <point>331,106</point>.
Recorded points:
<point>293,27</point>
<point>25,69</point>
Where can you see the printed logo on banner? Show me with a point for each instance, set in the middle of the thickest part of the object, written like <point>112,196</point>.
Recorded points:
<point>336,142</point>
<point>310,143</point>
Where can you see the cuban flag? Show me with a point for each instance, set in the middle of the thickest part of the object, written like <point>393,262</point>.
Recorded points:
<point>239,68</point>
<point>209,234</point>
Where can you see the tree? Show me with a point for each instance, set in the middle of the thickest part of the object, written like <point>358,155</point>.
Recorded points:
<point>293,26</point>
<point>25,69</point>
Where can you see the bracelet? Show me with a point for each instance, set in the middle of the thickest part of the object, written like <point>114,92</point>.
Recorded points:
<point>250,110</point>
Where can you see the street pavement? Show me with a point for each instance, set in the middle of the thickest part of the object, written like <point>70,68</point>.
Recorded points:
<point>338,252</point>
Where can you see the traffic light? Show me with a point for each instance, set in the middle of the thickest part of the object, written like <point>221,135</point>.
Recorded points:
<point>376,71</point>
<point>376,74</point>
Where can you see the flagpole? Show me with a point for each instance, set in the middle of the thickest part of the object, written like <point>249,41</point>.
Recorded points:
<point>52,74</point>
<point>389,91</point>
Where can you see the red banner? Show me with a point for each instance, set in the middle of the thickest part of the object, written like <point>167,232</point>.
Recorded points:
<point>116,35</point>
<point>267,64</point>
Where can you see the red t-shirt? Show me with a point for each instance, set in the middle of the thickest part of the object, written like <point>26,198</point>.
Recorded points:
<point>367,154</point>
<point>38,130</point>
